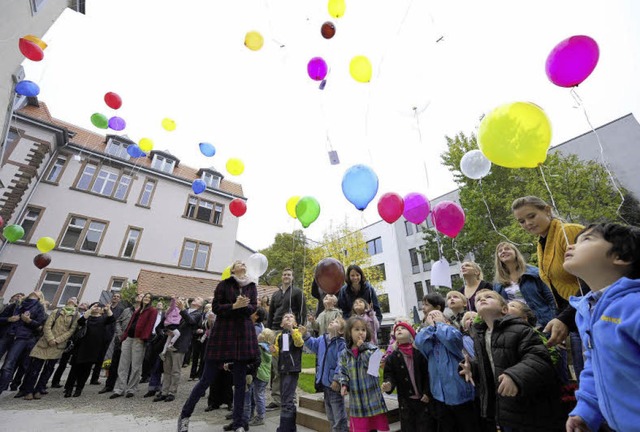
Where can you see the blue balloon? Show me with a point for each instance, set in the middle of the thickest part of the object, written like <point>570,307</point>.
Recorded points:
<point>360,185</point>
<point>207,149</point>
<point>27,88</point>
<point>134,151</point>
<point>198,186</point>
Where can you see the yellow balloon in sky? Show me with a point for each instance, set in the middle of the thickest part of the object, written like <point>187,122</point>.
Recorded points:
<point>226,273</point>
<point>515,135</point>
<point>253,40</point>
<point>360,69</point>
<point>168,124</point>
<point>235,166</point>
<point>45,244</point>
<point>36,40</point>
<point>337,8</point>
<point>145,144</point>
<point>291,206</point>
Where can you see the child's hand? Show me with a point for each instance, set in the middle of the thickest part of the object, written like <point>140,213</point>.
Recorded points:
<point>13,318</point>
<point>225,366</point>
<point>272,348</point>
<point>311,318</point>
<point>577,424</point>
<point>385,387</point>
<point>437,317</point>
<point>344,391</point>
<point>335,386</point>
<point>424,399</point>
<point>360,342</point>
<point>302,330</point>
<point>466,370</point>
<point>507,387</point>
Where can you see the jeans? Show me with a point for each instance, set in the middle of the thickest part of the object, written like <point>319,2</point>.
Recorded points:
<point>260,396</point>
<point>38,368</point>
<point>576,354</point>
<point>288,384</point>
<point>336,412</point>
<point>248,396</point>
<point>13,348</point>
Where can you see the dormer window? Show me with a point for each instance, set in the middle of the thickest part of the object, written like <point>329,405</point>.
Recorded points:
<point>211,179</point>
<point>117,149</point>
<point>162,163</point>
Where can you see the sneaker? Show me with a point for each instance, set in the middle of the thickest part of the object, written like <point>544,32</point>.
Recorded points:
<point>272,406</point>
<point>170,398</point>
<point>104,390</point>
<point>256,421</point>
<point>159,398</point>
<point>150,393</point>
<point>240,429</point>
<point>37,395</point>
<point>183,424</point>
<point>28,396</point>
<point>115,396</point>
<point>95,382</point>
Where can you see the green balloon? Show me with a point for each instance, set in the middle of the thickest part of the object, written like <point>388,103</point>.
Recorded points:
<point>307,210</point>
<point>13,233</point>
<point>100,121</point>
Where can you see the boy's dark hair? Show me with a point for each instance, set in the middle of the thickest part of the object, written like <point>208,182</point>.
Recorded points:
<point>532,320</point>
<point>347,330</point>
<point>625,243</point>
<point>261,314</point>
<point>436,300</point>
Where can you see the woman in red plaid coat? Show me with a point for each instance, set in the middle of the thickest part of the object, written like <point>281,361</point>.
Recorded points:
<point>232,340</point>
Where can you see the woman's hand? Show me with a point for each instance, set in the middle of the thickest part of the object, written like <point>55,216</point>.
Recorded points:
<point>559,332</point>
<point>241,302</point>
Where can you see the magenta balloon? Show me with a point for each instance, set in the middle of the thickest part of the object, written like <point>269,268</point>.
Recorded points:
<point>317,68</point>
<point>448,218</point>
<point>416,207</point>
<point>390,207</point>
<point>572,61</point>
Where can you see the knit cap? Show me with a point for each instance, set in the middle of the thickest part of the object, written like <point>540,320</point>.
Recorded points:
<point>407,326</point>
<point>172,317</point>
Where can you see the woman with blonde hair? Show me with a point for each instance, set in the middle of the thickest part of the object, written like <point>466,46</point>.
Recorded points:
<point>473,282</point>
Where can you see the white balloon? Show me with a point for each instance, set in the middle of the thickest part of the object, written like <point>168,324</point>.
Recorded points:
<point>475,165</point>
<point>440,273</point>
<point>257,264</point>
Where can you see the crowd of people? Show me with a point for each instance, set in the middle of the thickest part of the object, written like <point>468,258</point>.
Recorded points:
<point>486,357</point>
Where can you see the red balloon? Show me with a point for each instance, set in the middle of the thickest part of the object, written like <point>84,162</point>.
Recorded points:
<point>113,100</point>
<point>42,260</point>
<point>30,50</point>
<point>329,275</point>
<point>1,222</point>
<point>390,207</point>
<point>328,30</point>
<point>238,207</point>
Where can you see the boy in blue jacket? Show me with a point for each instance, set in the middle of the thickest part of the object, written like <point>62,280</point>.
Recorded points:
<point>328,347</point>
<point>607,258</point>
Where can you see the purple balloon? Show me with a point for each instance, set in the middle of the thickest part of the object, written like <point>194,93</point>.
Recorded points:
<point>448,218</point>
<point>416,207</point>
<point>117,123</point>
<point>572,61</point>
<point>317,68</point>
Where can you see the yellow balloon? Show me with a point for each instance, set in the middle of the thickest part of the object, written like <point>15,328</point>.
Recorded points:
<point>36,40</point>
<point>45,244</point>
<point>360,69</point>
<point>235,166</point>
<point>515,135</point>
<point>291,206</point>
<point>168,124</point>
<point>226,273</point>
<point>146,144</point>
<point>337,8</point>
<point>253,40</point>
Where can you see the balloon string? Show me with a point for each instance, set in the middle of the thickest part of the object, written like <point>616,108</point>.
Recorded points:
<point>424,163</point>
<point>493,224</point>
<point>553,203</point>
<point>581,104</point>
<point>455,249</point>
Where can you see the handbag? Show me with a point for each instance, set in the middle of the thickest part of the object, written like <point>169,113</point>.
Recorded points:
<point>80,333</point>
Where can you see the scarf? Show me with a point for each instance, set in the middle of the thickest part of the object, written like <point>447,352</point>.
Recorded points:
<point>68,310</point>
<point>243,281</point>
<point>406,349</point>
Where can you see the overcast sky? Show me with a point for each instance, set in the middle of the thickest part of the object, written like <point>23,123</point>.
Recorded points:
<point>186,60</point>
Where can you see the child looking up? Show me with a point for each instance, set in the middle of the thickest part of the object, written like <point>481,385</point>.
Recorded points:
<point>360,309</point>
<point>259,385</point>
<point>330,312</point>
<point>456,307</point>
<point>392,339</point>
<point>432,301</point>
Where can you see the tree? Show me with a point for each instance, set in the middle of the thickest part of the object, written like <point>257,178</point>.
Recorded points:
<point>288,250</point>
<point>129,292</point>
<point>581,191</point>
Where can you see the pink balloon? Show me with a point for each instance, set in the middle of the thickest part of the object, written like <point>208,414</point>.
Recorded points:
<point>572,61</point>
<point>448,218</point>
<point>317,68</point>
<point>390,207</point>
<point>416,207</point>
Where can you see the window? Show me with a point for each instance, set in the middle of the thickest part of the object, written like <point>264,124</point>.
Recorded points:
<point>104,181</point>
<point>36,5</point>
<point>117,149</point>
<point>123,187</point>
<point>415,261</point>
<point>426,264</point>
<point>381,269</point>
<point>429,223</point>
<point>375,246</point>
<point>195,255</point>
<point>428,286</point>
<point>418,228</point>
<point>162,163</point>
<point>30,220</point>
<point>211,180</point>
<point>131,242</point>
<point>86,177</point>
<point>83,234</point>
<point>419,290</point>
<point>383,300</point>
<point>56,170</point>
<point>408,227</point>
<point>71,288</point>
<point>6,271</point>
<point>58,286</point>
<point>116,284</point>
<point>147,193</point>
<point>203,210</point>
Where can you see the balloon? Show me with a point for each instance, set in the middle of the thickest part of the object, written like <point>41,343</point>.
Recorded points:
<point>235,166</point>
<point>237,207</point>
<point>307,210</point>
<point>134,151</point>
<point>168,124</point>
<point>198,186</point>
<point>360,69</point>
<point>36,40</point>
<point>329,275</point>
<point>515,135</point>
<point>360,185</point>
<point>226,273</point>
<point>30,49</point>
<point>13,233</point>
<point>416,207</point>
<point>337,8</point>
<point>145,144</point>
<point>207,149</point>
<point>117,123</point>
<point>100,121</point>
<point>572,61</point>
<point>1,222</point>
<point>390,207</point>
<point>440,273</point>
<point>257,264</point>
<point>474,165</point>
<point>27,88</point>
<point>253,40</point>
<point>317,68</point>
<point>291,205</point>
<point>45,244</point>
<point>448,218</point>
<point>328,30</point>
<point>113,100</point>
<point>42,260</point>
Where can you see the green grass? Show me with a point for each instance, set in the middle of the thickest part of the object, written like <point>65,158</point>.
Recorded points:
<point>306,382</point>
<point>308,361</point>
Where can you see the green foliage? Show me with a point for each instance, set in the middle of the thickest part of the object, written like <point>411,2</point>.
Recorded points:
<point>288,250</point>
<point>129,292</point>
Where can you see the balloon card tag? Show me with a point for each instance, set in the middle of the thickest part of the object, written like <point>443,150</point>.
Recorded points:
<point>285,342</point>
<point>333,157</point>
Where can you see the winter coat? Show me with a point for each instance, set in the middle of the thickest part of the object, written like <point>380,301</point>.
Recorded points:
<point>264,371</point>
<point>518,351</point>
<point>144,325</point>
<point>327,352</point>
<point>365,396</point>
<point>536,293</point>
<point>59,326</point>
<point>291,300</point>
<point>20,329</point>
<point>289,361</point>
<point>122,322</point>
<point>346,297</point>
<point>397,374</point>
<point>88,348</point>
<point>233,336</point>
<point>610,331</point>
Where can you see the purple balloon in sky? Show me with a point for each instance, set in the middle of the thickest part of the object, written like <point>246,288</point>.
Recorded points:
<point>317,69</point>
<point>572,61</point>
<point>416,207</point>
<point>117,123</point>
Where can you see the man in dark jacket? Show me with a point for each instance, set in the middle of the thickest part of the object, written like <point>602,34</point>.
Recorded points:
<point>117,309</point>
<point>194,352</point>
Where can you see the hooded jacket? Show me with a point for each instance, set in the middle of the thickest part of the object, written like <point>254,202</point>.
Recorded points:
<point>328,351</point>
<point>20,329</point>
